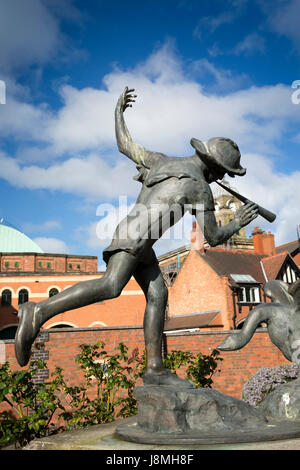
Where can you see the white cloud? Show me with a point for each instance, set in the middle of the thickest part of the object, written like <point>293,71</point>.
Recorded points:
<point>90,176</point>
<point>273,190</point>
<point>253,42</point>
<point>221,80</point>
<point>85,121</point>
<point>44,227</point>
<point>170,109</point>
<point>35,33</point>
<point>23,121</point>
<point>225,17</point>
<point>212,23</point>
<point>283,18</point>
<point>30,37</point>
<point>30,32</point>
<point>52,245</point>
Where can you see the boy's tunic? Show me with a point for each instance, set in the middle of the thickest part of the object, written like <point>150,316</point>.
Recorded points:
<point>171,185</point>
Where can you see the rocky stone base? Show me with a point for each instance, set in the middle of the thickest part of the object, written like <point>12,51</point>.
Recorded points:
<point>169,410</point>
<point>199,416</point>
<point>283,404</point>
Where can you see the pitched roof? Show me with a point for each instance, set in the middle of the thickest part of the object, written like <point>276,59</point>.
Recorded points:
<point>226,262</point>
<point>291,247</point>
<point>192,320</point>
<point>273,264</point>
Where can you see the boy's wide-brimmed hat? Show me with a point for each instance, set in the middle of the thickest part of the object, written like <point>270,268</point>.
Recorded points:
<point>220,152</point>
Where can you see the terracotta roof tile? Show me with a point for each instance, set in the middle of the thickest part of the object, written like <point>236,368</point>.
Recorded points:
<point>272,264</point>
<point>290,247</point>
<point>225,262</point>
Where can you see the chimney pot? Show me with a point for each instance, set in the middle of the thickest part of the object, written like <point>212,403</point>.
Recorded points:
<point>197,239</point>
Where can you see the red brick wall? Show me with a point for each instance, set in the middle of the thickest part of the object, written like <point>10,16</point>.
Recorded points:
<point>26,263</point>
<point>235,369</point>
<point>58,263</point>
<point>198,288</point>
<point>237,366</point>
<point>30,262</point>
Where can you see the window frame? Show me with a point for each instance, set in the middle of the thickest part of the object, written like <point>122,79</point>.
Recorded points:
<point>288,274</point>
<point>251,294</point>
<point>22,292</point>
<point>6,304</point>
<point>52,289</point>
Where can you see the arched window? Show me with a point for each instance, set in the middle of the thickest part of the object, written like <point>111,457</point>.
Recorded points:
<point>6,297</point>
<point>23,296</point>
<point>8,333</point>
<point>53,291</point>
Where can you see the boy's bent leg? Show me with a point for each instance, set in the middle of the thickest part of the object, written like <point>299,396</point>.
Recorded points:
<point>33,315</point>
<point>150,279</point>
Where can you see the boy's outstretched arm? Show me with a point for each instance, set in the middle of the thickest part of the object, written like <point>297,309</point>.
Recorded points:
<point>135,152</point>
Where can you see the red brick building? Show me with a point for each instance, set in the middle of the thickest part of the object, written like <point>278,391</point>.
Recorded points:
<point>224,284</point>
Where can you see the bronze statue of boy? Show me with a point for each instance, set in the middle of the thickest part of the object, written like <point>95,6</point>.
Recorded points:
<point>166,182</point>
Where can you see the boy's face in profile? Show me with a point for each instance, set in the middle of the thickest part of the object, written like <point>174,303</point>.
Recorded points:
<point>214,174</point>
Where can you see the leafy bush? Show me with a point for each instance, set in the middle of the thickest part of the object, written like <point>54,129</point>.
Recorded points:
<point>105,393</point>
<point>202,368</point>
<point>265,380</point>
<point>31,407</point>
<point>176,359</point>
<point>107,376</point>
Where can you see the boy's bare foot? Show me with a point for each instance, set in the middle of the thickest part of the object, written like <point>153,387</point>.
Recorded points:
<point>167,378</point>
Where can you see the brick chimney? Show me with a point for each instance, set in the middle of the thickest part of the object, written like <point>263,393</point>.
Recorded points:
<point>269,244</point>
<point>263,243</point>
<point>197,239</point>
<point>257,235</point>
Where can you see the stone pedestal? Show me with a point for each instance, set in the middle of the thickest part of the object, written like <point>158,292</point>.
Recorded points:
<point>167,410</point>
<point>195,416</point>
<point>283,404</point>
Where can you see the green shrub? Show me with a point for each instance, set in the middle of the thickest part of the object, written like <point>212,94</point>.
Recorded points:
<point>31,406</point>
<point>202,368</point>
<point>105,393</point>
<point>108,375</point>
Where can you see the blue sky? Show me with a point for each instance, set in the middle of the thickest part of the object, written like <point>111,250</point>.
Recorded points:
<point>200,69</point>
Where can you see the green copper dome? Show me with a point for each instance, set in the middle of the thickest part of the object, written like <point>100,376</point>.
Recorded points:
<point>14,241</point>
